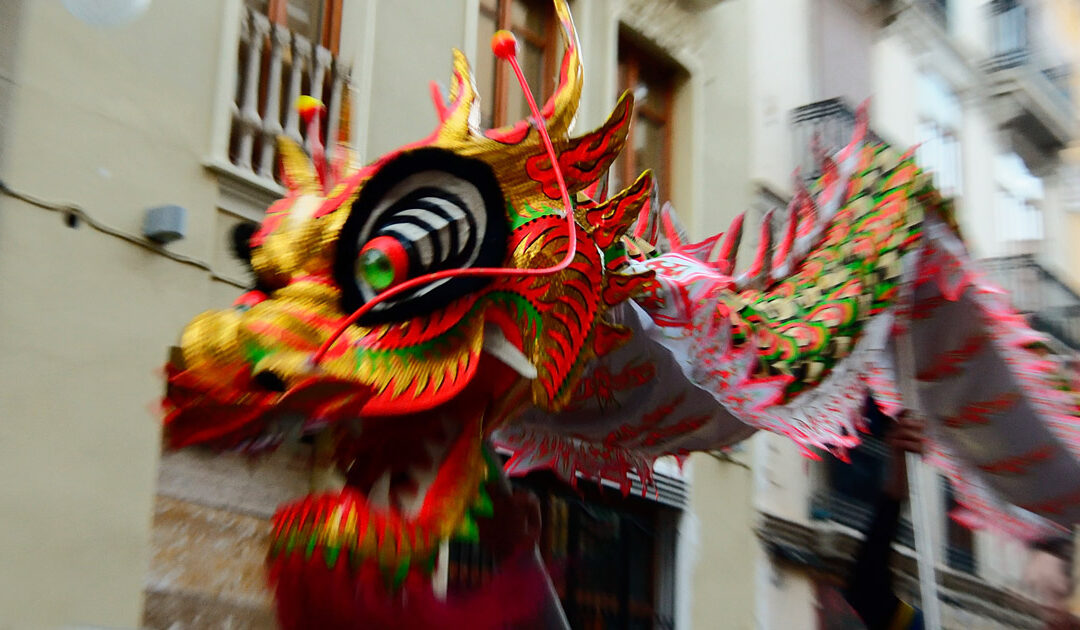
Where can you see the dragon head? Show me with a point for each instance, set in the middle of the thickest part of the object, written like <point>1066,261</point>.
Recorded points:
<point>409,390</point>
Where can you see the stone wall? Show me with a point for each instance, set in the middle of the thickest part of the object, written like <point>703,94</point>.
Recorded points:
<point>210,536</point>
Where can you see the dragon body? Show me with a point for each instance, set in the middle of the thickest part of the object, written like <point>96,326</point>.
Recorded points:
<point>642,345</point>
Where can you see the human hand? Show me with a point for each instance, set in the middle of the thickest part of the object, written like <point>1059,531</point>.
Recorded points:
<point>905,435</point>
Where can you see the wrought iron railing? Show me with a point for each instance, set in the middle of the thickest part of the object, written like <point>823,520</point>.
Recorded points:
<point>1009,41</point>
<point>960,559</point>
<point>822,126</point>
<point>1012,48</point>
<point>831,505</point>
<point>1050,305</point>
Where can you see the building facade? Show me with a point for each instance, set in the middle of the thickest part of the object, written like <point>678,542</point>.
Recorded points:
<point>984,89</point>
<point>180,107</point>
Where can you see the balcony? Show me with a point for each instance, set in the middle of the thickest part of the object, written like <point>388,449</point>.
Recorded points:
<point>1031,96</point>
<point>832,505</point>
<point>1049,304</point>
<point>960,559</point>
<point>822,126</point>
<point>276,66</point>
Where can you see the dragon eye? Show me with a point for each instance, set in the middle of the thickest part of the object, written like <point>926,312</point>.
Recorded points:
<point>382,263</point>
<point>426,211</point>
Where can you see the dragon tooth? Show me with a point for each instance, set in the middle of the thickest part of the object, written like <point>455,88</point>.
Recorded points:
<point>379,495</point>
<point>468,530</point>
<point>497,345</point>
<point>670,227</point>
<point>482,505</point>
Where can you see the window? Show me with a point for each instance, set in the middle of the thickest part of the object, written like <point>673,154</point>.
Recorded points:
<point>317,21</point>
<point>959,540</point>
<point>616,555</point>
<point>1009,22</point>
<point>648,145</point>
<point>533,23</point>
<point>939,151</point>
<point>1017,204</point>
<point>854,488</point>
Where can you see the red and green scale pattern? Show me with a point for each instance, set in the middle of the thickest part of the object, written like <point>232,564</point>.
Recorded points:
<point>806,323</point>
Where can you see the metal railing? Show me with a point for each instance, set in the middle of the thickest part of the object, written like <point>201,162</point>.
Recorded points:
<point>1010,42</point>
<point>1050,305</point>
<point>1012,48</point>
<point>822,126</point>
<point>831,505</point>
<point>959,559</point>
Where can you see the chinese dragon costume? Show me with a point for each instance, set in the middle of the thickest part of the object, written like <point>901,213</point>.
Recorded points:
<point>593,351</point>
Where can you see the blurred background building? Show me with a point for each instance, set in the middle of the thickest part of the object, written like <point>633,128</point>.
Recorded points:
<point>179,105</point>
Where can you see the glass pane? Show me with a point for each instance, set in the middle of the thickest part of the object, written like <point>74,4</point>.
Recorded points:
<point>649,141</point>
<point>532,64</point>
<point>653,90</point>
<point>484,71</point>
<point>305,18</point>
<point>529,15</point>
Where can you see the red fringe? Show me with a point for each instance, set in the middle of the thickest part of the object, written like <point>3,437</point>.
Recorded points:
<point>310,596</point>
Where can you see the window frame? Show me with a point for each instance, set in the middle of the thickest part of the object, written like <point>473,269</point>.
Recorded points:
<point>329,21</point>
<point>501,11</point>
<point>632,57</point>
<point>566,536</point>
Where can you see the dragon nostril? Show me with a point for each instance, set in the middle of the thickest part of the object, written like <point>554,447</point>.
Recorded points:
<point>270,381</point>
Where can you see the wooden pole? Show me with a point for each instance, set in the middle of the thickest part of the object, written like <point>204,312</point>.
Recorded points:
<point>920,509</point>
<point>924,542</point>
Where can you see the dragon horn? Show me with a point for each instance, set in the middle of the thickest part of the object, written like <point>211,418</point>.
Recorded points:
<point>729,249</point>
<point>859,134</point>
<point>780,266</point>
<point>456,116</point>
<point>671,230</point>
<point>759,267</point>
<point>559,111</point>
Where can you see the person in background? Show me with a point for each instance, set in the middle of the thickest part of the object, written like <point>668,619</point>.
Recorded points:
<point>870,592</point>
<point>1049,579</point>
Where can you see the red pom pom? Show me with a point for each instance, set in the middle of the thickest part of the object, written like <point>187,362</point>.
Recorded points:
<point>308,106</point>
<point>504,44</point>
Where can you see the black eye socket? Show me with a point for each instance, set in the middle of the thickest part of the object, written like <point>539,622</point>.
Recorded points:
<point>241,241</point>
<point>425,211</point>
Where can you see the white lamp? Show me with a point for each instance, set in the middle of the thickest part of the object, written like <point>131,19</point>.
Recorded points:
<point>106,13</point>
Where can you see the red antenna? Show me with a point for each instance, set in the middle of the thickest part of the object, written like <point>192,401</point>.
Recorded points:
<point>311,110</point>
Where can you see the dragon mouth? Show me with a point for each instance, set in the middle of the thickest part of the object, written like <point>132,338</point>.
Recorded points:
<point>412,481</point>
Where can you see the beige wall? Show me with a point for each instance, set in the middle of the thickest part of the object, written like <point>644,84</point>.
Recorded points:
<point>781,77</point>
<point>116,121</point>
<point>725,549</point>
